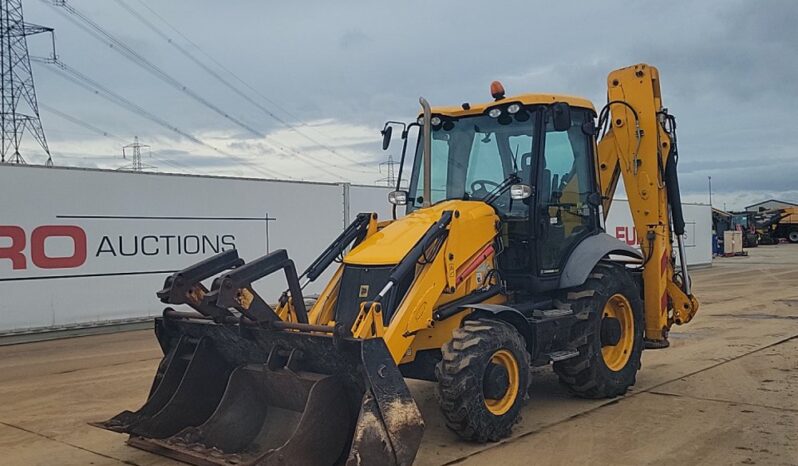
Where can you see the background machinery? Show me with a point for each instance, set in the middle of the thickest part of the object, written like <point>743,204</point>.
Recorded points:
<point>746,222</point>
<point>775,224</point>
<point>499,264</point>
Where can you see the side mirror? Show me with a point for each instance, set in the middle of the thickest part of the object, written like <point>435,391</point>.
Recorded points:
<point>386,137</point>
<point>561,116</point>
<point>519,192</point>
<point>397,197</point>
<point>594,199</point>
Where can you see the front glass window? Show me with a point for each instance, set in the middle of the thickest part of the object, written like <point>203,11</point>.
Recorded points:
<point>472,156</point>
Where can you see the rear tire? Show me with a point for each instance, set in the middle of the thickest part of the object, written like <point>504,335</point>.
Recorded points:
<point>792,236</point>
<point>483,379</point>
<point>604,370</point>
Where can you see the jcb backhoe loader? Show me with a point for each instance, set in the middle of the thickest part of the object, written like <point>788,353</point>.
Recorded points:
<point>500,264</point>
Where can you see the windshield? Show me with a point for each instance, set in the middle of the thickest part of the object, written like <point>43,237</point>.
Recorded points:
<point>472,156</point>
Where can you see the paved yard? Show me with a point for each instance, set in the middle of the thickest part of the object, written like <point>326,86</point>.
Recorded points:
<point>726,392</point>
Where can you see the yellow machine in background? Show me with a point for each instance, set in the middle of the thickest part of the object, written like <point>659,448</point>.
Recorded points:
<point>500,264</point>
<point>775,224</point>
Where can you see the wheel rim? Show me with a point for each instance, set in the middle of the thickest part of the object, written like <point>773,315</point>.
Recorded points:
<point>616,356</point>
<point>499,406</point>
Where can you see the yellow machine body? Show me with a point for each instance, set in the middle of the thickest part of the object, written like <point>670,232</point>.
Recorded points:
<point>413,328</point>
<point>454,291</point>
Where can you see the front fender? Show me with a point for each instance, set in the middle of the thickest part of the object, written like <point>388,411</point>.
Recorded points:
<point>507,314</point>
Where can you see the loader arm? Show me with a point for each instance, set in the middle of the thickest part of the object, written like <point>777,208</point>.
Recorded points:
<point>639,146</point>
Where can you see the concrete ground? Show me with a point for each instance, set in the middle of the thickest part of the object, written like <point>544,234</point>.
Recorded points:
<point>726,392</point>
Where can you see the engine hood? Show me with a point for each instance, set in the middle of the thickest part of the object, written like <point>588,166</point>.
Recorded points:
<point>389,245</point>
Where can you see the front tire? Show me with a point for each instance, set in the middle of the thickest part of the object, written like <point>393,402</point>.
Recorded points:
<point>610,336</point>
<point>483,379</point>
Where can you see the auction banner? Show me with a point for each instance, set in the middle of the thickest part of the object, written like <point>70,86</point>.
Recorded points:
<point>83,246</point>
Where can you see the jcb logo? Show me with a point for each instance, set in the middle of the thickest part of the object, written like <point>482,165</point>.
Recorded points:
<point>15,252</point>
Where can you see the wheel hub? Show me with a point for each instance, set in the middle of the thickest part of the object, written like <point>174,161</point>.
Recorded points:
<point>617,332</point>
<point>610,331</point>
<point>496,381</point>
<point>500,382</point>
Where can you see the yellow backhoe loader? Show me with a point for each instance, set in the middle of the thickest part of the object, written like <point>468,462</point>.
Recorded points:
<point>500,264</point>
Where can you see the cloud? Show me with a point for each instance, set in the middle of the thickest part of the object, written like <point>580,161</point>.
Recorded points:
<point>353,38</point>
<point>727,67</point>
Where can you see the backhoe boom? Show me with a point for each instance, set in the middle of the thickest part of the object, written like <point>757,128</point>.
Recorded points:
<point>639,145</point>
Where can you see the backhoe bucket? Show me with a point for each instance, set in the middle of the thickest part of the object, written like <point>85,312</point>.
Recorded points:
<point>245,394</point>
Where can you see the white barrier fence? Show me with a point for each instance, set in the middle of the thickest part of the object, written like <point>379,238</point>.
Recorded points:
<point>84,246</point>
<point>697,235</point>
<point>89,246</point>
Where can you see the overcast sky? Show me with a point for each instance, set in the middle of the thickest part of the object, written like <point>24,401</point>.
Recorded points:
<point>335,71</point>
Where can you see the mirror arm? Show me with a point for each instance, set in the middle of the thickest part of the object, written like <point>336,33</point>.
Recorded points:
<point>405,137</point>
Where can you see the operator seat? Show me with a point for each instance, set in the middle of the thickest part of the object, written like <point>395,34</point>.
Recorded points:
<point>526,171</point>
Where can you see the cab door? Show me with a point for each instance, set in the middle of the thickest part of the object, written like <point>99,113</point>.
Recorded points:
<point>565,180</point>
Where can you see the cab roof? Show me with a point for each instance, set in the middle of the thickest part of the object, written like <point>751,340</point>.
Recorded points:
<point>526,99</point>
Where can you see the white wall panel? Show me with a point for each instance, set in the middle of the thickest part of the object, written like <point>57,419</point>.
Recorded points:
<point>698,229</point>
<point>139,227</point>
<point>371,199</point>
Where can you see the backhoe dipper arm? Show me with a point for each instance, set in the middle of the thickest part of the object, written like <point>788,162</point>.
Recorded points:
<point>639,144</point>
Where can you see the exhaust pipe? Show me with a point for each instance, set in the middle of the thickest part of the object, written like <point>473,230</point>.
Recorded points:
<point>427,132</point>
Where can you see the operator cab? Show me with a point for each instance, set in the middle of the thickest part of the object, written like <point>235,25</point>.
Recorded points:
<point>531,158</point>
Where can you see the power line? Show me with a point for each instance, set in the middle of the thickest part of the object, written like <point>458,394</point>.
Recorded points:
<point>102,132</point>
<point>220,65</point>
<point>228,84</point>
<point>274,144</point>
<point>96,31</point>
<point>96,88</point>
<point>99,33</point>
<point>81,123</point>
<point>105,133</point>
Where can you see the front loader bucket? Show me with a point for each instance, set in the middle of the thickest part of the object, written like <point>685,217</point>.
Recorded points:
<point>290,397</point>
<point>187,388</point>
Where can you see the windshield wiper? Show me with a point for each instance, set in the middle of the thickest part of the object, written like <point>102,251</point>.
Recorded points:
<point>502,188</point>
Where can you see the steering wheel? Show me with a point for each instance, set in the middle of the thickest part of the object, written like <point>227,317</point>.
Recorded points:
<point>479,188</point>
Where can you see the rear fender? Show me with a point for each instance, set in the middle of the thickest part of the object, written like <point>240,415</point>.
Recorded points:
<point>588,253</point>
